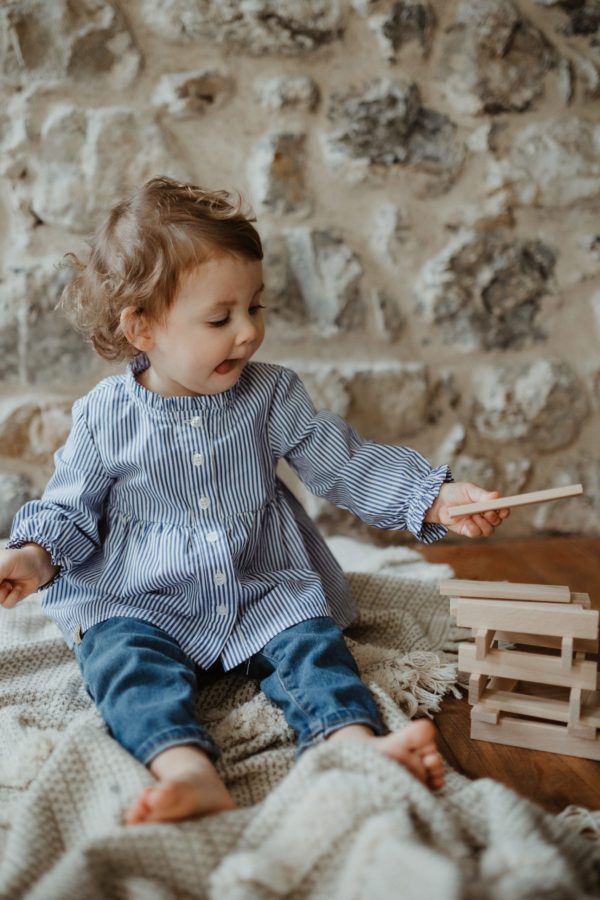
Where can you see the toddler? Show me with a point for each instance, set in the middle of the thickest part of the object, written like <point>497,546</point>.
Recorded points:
<point>165,543</point>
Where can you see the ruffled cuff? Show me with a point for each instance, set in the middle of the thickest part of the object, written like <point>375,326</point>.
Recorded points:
<point>421,501</point>
<point>57,559</point>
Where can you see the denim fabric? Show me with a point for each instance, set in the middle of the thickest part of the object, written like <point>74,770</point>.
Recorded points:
<point>308,671</point>
<point>145,687</point>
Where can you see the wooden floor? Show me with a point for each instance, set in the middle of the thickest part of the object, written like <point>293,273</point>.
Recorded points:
<point>552,780</point>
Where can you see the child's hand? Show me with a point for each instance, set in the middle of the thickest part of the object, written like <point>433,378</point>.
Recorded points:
<point>22,572</point>
<point>457,493</point>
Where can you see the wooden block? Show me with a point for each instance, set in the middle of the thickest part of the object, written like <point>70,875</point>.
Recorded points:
<point>565,619</point>
<point>580,645</point>
<point>530,705</point>
<point>483,641</point>
<point>535,667</point>
<point>502,684</point>
<point>534,735</point>
<point>581,599</point>
<point>485,714</point>
<point>505,590</point>
<point>566,653</point>
<point>476,685</point>
<point>539,707</point>
<point>558,493</point>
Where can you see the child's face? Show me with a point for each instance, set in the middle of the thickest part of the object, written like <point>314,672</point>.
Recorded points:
<point>213,328</point>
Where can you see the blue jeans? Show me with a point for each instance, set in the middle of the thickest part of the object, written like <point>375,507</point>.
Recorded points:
<point>145,687</point>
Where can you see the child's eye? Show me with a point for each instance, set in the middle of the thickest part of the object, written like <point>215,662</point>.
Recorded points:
<point>220,322</point>
<point>254,309</point>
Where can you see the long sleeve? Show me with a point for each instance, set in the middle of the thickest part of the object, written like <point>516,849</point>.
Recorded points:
<point>385,486</point>
<point>66,519</point>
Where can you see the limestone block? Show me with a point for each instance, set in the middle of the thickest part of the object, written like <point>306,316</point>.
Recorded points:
<point>389,318</point>
<point>288,27</point>
<point>385,125</point>
<point>391,402</point>
<point>494,59</point>
<point>328,388</point>
<point>287,92</point>
<point>276,171</point>
<point>32,428</point>
<point>86,41</point>
<point>477,469</point>
<point>397,22</point>
<point>283,298</point>
<point>516,475</point>
<point>451,445</point>
<point>91,159</point>
<point>485,290</point>
<point>553,163</point>
<point>327,272</point>
<point>49,349</point>
<point>389,233</point>
<point>541,404</point>
<point>10,372</point>
<point>15,490</point>
<point>189,94</point>
<point>576,515</point>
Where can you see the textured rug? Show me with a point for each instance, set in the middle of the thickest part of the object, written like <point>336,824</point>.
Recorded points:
<point>342,822</point>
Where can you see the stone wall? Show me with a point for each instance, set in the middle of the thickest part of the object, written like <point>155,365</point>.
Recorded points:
<point>427,182</point>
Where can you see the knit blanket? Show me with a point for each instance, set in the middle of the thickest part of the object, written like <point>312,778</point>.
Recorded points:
<point>342,822</point>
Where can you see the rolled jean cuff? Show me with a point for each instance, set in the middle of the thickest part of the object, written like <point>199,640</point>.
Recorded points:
<point>176,737</point>
<point>330,724</point>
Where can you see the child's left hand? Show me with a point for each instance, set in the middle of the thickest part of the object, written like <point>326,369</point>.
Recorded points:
<point>457,493</point>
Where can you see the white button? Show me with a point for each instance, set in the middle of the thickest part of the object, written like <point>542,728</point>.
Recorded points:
<point>203,502</point>
<point>198,459</point>
<point>220,578</point>
<point>196,422</point>
<point>212,537</point>
<point>221,609</point>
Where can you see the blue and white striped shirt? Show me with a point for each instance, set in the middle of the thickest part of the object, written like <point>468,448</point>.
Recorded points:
<point>169,509</point>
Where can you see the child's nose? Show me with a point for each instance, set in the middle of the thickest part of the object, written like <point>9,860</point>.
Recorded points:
<point>248,331</point>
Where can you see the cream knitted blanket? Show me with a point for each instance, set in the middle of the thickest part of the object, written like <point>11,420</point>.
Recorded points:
<point>343,822</point>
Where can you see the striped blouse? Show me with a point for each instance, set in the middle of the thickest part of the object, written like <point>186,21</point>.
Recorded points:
<point>169,509</point>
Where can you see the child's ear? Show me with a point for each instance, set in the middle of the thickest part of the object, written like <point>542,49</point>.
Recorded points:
<point>136,328</point>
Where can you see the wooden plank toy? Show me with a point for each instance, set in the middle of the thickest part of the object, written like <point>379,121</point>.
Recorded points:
<point>520,696</point>
<point>506,590</point>
<point>558,493</point>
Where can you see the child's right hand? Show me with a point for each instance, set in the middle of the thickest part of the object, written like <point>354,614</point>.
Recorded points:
<point>22,572</point>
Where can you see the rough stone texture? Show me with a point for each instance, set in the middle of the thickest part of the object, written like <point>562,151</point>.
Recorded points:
<point>277,174</point>
<point>485,290</point>
<point>87,159</point>
<point>31,428</point>
<point>84,40</point>
<point>46,350</point>
<point>183,94</point>
<point>496,60</point>
<point>327,272</point>
<point>288,92</point>
<point>540,405</point>
<point>390,403</point>
<point>15,490</point>
<point>398,23</point>
<point>552,163</point>
<point>257,26</point>
<point>385,125</point>
<point>390,233</point>
<point>426,177</point>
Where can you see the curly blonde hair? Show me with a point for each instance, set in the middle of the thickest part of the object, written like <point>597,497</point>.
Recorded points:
<point>137,257</point>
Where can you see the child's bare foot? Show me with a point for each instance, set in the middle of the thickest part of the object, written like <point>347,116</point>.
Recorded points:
<point>414,747</point>
<point>189,785</point>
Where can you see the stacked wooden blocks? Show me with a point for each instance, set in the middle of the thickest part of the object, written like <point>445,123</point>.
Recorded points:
<point>542,694</point>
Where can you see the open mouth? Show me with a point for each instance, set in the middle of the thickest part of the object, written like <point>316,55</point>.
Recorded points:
<point>226,366</point>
